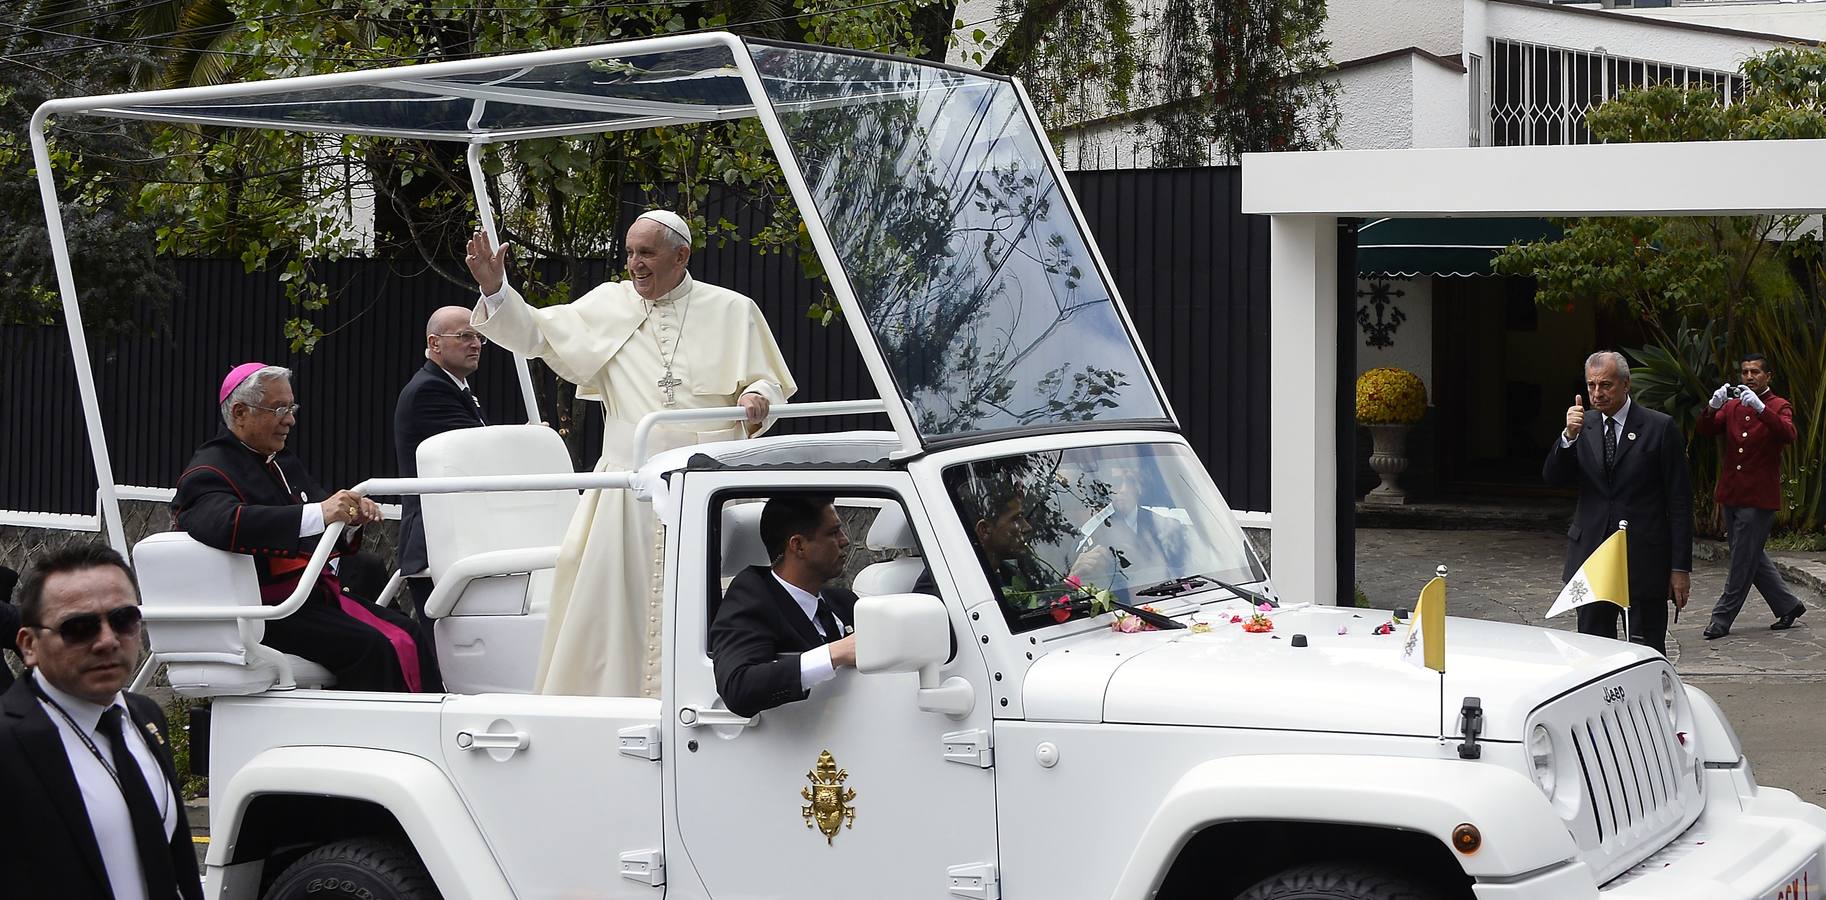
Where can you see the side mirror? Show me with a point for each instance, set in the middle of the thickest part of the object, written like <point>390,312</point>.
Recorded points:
<point>912,633</point>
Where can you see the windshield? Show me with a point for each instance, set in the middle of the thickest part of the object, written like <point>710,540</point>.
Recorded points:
<point>1123,518</point>
<point>949,222</point>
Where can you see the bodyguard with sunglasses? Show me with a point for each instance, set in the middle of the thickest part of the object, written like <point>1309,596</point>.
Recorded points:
<point>86,778</point>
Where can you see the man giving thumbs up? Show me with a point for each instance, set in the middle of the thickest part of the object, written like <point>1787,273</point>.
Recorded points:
<point>1634,469</point>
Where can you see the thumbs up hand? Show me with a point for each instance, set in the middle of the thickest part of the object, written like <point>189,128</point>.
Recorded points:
<point>1575,417</point>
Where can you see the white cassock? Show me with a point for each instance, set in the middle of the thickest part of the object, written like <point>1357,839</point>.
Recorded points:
<point>602,632</point>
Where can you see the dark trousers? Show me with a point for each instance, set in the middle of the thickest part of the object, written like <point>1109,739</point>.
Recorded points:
<point>1647,619</point>
<point>361,658</point>
<point>1748,529</point>
<point>420,591</point>
<point>1648,604</point>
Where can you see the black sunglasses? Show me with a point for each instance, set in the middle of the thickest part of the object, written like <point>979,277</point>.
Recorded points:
<point>85,627</point>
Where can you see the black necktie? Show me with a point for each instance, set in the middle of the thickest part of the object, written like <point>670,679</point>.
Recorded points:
<point>1610,443</point>
<point>474,404</point>
<point>148,826</point>
<point>827,620</point>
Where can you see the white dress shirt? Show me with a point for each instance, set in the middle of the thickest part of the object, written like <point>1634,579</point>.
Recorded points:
<point>101,796</point>
<point>814,664</point>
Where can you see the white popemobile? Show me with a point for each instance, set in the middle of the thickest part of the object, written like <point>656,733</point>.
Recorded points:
<point>1006,737</point>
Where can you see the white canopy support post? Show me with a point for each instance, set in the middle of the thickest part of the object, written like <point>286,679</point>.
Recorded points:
<point>813,219</point>
<point>1303,336</point>
<point>485,211</point>
<point>79,347</point>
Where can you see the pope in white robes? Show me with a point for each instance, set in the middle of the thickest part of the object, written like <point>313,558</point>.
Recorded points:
<point>659,340</point>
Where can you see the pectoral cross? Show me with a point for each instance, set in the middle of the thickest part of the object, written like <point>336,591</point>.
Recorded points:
<point>666,384</point>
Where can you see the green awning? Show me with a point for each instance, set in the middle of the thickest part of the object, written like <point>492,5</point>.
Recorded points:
<point>1406,248</point>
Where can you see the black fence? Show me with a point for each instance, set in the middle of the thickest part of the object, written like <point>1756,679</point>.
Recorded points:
<point>1192,269</point>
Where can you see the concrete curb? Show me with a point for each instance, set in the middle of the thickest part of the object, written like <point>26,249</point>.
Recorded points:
<point>1802,570</point>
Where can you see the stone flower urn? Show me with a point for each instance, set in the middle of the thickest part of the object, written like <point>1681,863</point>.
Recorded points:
<point>1389,458</point>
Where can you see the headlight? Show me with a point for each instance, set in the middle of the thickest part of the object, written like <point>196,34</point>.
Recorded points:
<point>1540,758</point>
<point>1669,690</point>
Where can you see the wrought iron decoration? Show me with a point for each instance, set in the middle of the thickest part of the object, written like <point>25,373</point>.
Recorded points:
<point>1388,316</point>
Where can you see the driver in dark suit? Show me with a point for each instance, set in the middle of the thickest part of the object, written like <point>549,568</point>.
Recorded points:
<point>781,630</point>
<point>1630,464</point>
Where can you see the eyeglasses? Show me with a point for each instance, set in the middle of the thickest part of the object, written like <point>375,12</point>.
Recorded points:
<point>85,627</point>
<point>464,337</point>
<point>280,411</point>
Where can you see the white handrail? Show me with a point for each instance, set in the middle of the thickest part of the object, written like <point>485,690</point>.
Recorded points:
<point>644,430</point>
<point>477,484</point>
<point>307,580</point>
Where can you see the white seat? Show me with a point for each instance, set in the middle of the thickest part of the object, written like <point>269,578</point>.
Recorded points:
<point>741,539</point>
<point>890,532</point>
<point>491,554</point>
<point>214,657</point>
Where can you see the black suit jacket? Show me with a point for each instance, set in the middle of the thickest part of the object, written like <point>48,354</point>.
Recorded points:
<point>757,637</point>
<point>1649,486</point>
<point>429,404</point>
<point>47,849</point>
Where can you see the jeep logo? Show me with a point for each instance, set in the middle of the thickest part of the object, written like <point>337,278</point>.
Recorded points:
<point>1613,694</point>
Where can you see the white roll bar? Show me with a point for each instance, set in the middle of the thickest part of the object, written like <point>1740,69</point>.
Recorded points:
<point>568,481</point>
<point>644,430</point>
<point>307,581</point>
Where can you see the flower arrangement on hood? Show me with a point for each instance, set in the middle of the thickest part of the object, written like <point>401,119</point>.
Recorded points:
<point>1390,396</point>
<point>1100,599</point>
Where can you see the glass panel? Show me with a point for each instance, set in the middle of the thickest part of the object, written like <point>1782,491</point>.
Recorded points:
<point>595,93</point>
<point>1124,519</point>
<point>977,284</point>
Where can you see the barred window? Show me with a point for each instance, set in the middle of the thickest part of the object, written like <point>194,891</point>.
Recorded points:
<point>1541,94</point>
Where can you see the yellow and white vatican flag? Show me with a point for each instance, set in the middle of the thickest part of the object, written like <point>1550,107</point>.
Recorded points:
<point>1426,643</point>
<point>1604,577</point>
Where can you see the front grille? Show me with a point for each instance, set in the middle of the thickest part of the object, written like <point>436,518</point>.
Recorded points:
<point>1629,759</point>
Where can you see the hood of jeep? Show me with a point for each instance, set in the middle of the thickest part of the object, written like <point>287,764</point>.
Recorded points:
<point>1355,682</point>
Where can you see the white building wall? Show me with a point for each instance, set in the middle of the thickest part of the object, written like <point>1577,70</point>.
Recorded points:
<point>1376,104</point>
<point>1621,35</point>
<point>1442,105</point>
<point>1806,21</point>
<point>1360,28</point>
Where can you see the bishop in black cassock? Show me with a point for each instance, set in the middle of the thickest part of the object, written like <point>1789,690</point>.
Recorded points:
<point>234,497</point>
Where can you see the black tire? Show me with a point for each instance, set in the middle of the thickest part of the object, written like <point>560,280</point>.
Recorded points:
<point>357,869</point>
<point>1337,881</point>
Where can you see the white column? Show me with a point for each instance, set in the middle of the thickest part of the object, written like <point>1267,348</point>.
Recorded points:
<point>1302,341</point>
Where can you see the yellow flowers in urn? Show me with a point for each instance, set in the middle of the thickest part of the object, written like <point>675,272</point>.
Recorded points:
<point>1390,396</point>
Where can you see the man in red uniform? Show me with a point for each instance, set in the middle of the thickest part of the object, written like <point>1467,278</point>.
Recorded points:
<point>1756,425</point>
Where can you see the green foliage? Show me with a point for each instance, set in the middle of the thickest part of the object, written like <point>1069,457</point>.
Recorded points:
<point>1707,290</point>
<point>177,720</point>
<point>1797,542</point>
<point>111,248</point>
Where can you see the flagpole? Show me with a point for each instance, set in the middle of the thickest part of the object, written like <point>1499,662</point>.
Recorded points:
<point>1623,525</point>
<point>1441,572</point>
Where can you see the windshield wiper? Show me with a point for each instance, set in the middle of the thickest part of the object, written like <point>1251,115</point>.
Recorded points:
<point>1174,587</point>
<point>1247,594</point>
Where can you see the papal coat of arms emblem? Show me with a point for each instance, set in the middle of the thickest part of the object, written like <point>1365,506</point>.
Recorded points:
<point>829,800</point>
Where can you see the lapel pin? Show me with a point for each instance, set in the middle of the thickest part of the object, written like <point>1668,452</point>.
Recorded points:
<point>1632,435</point>
<point>152,730</point>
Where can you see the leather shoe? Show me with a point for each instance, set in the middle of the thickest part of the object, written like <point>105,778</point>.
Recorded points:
<point>1713,634</point>
<point>1787,621</point>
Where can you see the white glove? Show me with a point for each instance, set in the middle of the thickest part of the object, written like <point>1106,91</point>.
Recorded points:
<point>1718,396</point>
<point>1748,398</point>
